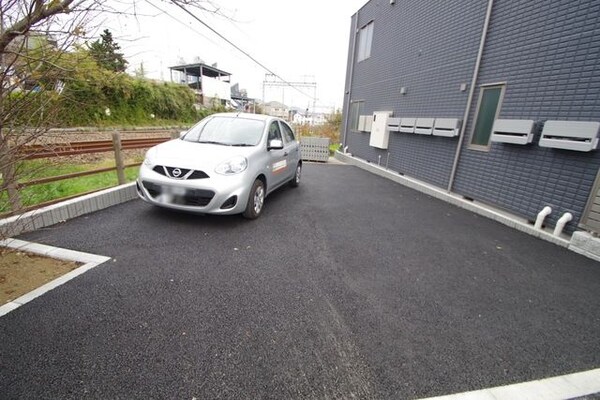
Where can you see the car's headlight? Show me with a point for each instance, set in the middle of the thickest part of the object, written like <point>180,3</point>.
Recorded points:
<point>148,159</point>
<point>233,166</point>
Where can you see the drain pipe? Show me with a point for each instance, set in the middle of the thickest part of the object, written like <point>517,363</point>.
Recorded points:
<point>539,221</point>
<point>350,78</point>
<point>560,225</point>
<point>461,136</point>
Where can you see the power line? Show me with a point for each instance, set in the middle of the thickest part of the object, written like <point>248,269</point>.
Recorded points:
<point>181,22</point>
<point>240,50</point>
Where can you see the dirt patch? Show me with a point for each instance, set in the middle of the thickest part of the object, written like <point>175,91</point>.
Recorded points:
<point>22,272</point>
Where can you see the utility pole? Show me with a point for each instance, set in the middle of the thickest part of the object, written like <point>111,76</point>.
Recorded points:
<point>272,81</point>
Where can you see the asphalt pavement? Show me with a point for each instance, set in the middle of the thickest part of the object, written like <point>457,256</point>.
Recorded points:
<point>350,286</point>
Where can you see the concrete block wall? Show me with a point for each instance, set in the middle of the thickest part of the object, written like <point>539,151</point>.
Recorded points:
<point>547,53</point>
<point>66,210</point>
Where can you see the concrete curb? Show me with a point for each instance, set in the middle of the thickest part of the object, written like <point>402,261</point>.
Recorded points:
<point>454,199</point>
<point>89,261</point>
<point>556,388</point>
<point>60,212</point>
<point>585,244</point>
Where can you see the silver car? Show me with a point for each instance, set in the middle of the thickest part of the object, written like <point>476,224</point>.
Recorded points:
<point>226,164</point>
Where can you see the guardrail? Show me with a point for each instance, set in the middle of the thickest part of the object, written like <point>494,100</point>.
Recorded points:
<point>117,145</point>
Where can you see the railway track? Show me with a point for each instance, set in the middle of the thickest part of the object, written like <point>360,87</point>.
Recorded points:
<point>34,151</point>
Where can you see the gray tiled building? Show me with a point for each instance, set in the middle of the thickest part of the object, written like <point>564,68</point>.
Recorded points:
<point>498,101</point>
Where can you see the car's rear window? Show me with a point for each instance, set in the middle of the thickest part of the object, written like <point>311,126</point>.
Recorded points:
<point>231,131</point>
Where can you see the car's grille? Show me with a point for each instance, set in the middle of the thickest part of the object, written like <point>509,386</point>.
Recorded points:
<point>183,172</point>
<point>198,175</point>
<point>197,201</point>
<point>192,197</point>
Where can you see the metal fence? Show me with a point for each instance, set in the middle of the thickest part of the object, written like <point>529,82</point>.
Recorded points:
<point>315,149</point>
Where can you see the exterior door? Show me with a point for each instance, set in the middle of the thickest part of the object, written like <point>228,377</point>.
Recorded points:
<point>278,164</point>
<point>291,147</point>
<point>591,215</point>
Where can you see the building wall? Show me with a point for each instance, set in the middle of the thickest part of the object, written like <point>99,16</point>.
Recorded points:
<point>548,55</point>
<point>545,51</point>
<point>429,50</point>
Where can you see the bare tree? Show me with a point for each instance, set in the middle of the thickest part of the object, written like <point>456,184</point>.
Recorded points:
<point>34,36</point>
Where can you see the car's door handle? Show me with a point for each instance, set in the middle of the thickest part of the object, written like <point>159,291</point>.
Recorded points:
<point>285,154</point>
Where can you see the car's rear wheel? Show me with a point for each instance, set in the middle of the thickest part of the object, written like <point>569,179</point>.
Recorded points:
<point>256,200</point>
<point>295,182</point>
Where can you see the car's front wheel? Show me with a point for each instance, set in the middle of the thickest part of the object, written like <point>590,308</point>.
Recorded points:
<point>256,200</point>
<point>295,182</point>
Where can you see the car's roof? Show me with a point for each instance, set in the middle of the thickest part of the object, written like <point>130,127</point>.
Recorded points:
<point>257,117</point>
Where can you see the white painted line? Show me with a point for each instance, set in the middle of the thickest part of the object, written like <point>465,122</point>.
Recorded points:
<point>90,261</point>
<point>557,388</point>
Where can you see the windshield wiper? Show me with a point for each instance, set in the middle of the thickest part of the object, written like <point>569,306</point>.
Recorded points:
<point>242,145</point>
<point>213,142</point>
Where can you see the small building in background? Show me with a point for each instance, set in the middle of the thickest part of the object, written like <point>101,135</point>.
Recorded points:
<point>240,100</point>
<point>208,82</point>
<point>277,109</point>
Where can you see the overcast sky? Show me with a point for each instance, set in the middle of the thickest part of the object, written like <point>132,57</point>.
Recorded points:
<point>297,40</point>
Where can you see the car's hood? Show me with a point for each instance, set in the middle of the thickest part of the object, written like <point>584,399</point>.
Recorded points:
<point>182,154</point>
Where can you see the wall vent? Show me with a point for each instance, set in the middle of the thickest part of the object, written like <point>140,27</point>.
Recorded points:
<point>514,131</point>
<point>570,135</point>
<point>447,127</point>
<point>407,125</point>
<point>394,124</point>
<point>424,126</point>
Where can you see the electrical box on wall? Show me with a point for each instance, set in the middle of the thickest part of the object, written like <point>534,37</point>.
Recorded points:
<point>364,123</point>
<point>380,134</point>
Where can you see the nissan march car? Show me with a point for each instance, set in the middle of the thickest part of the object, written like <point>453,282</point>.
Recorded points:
<point>226,164</point>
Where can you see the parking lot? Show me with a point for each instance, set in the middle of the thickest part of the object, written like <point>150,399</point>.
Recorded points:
<point>349,286</point>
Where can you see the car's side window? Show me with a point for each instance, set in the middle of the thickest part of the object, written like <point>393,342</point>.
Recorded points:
<point>274,132</point>
<point>288,133</point>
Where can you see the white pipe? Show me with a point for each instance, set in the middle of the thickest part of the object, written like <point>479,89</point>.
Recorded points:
<point>560,225</point>
<point>463,127</point>
<point>350,78</point>
<point>539,221</point>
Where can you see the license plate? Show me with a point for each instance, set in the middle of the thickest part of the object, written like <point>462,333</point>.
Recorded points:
<point>176,190</point>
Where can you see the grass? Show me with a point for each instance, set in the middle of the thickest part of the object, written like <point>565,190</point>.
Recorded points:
<point>37,194</point>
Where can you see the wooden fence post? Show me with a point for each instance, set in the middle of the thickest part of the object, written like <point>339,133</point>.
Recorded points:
<point>116,139</point>
<point>9,176</point>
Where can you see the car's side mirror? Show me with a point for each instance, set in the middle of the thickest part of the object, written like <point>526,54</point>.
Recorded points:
<point>275,144</point>
<point>182,133</point>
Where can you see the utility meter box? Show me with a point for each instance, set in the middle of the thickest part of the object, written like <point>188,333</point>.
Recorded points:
<point>380,134</point>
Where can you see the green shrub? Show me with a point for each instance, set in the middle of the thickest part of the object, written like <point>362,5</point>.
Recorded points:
<point>90,90</point>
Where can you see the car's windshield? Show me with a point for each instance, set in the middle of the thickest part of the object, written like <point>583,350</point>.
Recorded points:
<point>228,131</point>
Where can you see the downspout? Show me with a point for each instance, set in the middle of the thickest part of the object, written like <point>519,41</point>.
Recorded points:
<point>352,60</point>
<point>463,127</point>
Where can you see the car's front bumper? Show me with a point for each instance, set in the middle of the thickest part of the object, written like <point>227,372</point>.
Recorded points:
<point>214,195</point>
